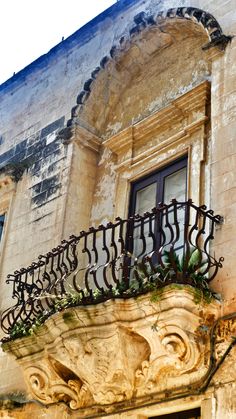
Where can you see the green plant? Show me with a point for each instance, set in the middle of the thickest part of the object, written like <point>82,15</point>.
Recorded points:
<point>193,263</point>
<point>22,328</point>
<point>156,295</point>
<point>188,269</point>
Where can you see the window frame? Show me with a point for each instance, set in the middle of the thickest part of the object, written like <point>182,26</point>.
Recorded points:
<point>158,176</point>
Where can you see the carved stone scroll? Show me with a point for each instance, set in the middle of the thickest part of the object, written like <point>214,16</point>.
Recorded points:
<point>118,351</point>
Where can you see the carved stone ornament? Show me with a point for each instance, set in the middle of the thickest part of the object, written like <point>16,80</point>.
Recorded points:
<point>118,351</point>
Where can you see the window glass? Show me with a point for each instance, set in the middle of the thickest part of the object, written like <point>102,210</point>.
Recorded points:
<point>175,186</point>
<point>187,414</point>
<point>146,199</point>
<point>2,218</point>
<point>162,186</point>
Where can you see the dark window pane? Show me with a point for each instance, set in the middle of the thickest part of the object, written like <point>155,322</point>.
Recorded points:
<point>187,414</point>
<point>2,217</point>
<point>161,186</point>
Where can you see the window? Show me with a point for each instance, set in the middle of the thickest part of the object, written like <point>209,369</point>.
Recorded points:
<point>2,218</point>
<point>189,414</point>
<point>161,186</point>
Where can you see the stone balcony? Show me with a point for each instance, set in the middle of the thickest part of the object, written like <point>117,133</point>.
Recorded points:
<point>124,352</point>
<point>120,316</point>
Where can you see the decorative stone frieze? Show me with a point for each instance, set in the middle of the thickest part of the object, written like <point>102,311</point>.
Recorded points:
<point>119,351</point>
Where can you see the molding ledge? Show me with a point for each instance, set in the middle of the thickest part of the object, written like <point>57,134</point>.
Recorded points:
<point>118,352</point>
<point>84,138</point>
<point>190,107</point>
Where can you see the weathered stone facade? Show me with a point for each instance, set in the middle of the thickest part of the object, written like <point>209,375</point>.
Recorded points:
<point>139,87</point>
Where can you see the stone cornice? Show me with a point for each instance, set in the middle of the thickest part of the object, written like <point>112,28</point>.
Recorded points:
<point>157,124</point>
<point>119,143</point>
<point>175,111</point>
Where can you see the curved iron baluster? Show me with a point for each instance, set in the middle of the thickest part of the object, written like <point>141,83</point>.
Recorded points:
<point>127,265</point>
<point>194,228</point>
<point>95,266</point>
<point>46,279</point>
<point>87,269</point>
<point>71,251</point>
<point>151,224</point>
<point>141,236</point>
<point>36,287</point>
<point>167,225</point>
<point>187,249</point>
<point>201,236</point>
<point>105,265</point>
<point>172,240</point>
<point>117,257</point>
<point>62,275</point>
<point>161,237</point>
<point>211,260</point>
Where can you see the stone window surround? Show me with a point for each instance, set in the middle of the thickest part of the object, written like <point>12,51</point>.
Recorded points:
<point>180,129</point>
<point>135,161</point>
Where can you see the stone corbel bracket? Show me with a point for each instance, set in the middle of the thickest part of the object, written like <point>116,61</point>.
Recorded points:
<point>120,351</point>
<point>82,136</point>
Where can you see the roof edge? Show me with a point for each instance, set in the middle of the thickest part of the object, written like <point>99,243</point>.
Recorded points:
<point>84,33</point>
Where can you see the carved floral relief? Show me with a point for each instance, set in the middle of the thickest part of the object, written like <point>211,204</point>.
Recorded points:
<point>117,351</point>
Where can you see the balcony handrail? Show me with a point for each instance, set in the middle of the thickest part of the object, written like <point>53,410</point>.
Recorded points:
<point>107,259</point>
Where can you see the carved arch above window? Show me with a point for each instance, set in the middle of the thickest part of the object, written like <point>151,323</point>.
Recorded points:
<point>149,35</point>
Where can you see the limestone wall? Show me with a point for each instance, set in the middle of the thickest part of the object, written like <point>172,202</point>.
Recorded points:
<point>35,105</point>
<point>65,186</point>
<point>223,179</point>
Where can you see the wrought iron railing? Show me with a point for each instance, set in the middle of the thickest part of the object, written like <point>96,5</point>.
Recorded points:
<point>169,244</point>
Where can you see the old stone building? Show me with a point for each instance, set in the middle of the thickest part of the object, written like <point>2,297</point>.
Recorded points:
<point>118,219</point>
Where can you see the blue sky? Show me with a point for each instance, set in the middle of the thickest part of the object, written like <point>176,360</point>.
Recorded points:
<point>30,28</point>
